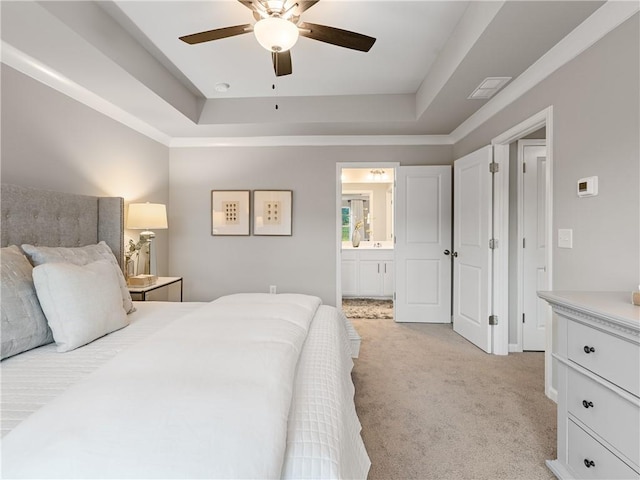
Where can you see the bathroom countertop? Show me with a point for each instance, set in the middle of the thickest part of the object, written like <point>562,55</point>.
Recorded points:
<point>387,245</point>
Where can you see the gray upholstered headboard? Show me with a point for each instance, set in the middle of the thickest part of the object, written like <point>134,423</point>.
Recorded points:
<point>54,219</point>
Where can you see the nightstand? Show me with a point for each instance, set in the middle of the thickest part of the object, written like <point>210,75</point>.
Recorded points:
<point>166,289</point>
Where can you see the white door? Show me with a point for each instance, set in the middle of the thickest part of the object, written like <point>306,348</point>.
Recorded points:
<point>472,280</point>
<point>423,233</point>
<point>533,156</point>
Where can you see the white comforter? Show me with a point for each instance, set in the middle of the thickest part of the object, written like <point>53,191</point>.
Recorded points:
<point>206,397</point>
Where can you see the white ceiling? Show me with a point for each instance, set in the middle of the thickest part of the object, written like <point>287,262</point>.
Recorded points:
<point>428,57</point>
<point>319,68</point>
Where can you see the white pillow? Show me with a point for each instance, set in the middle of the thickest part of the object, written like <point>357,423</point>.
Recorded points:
<point>81,256</point>
<point>81,302</point>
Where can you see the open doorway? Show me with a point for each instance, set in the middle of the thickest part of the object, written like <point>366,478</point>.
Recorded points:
<point>482,211</point>
<point>365,214</point>
<point>511,268</point>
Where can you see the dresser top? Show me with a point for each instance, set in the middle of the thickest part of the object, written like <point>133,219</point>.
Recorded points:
<point>613,306</point>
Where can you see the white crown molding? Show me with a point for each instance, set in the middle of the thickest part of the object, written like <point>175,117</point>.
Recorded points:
<point>601,22</point>
<point>35,69</point>
<point>312,140</point>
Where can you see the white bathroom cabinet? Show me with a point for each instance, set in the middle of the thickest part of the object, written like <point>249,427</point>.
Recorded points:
<point>367,273</point>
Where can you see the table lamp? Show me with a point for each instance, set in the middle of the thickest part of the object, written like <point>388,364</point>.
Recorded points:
<point>147,216</point>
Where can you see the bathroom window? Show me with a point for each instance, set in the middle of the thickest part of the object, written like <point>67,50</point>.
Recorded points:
<point>346,224</point>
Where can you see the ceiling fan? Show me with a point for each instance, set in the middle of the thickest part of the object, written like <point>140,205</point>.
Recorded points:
<point>277,29</point>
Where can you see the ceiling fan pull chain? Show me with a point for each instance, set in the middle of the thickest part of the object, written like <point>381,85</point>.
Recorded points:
<point>273,87</point>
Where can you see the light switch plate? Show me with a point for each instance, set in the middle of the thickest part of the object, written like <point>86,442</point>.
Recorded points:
<point>565,238</point>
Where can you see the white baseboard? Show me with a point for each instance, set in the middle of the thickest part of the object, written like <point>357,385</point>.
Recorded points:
<point>514,348</point>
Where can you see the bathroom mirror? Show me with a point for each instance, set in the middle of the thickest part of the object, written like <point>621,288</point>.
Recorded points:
<point>370,200</point>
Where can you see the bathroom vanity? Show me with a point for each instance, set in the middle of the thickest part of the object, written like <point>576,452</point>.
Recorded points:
<point>367,271</point>
<point>597,351</point>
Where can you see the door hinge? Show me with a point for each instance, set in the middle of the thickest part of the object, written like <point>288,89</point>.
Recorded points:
<point>394,296</point>
<point>523,318</point>
<point>493,243</point>
<point>494,167</point>
<point>523,243</point>
<point>493,319</point>
<point>524,167</point>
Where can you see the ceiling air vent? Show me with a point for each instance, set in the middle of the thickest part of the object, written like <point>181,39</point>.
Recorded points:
<point>489,87</point>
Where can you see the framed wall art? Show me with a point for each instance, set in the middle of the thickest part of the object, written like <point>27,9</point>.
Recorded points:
<point>272,212</point>
<point>230,212</point>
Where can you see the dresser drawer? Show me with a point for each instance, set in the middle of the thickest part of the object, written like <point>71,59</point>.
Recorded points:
<point>614,418</point>
<point>585,450</point>
<point>610,357</point>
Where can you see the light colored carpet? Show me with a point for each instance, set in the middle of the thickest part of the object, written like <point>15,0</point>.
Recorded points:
<point>367,308</point>
<point>433,406</point>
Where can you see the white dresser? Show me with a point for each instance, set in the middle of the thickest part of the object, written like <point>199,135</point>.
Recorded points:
<point>597,354</point>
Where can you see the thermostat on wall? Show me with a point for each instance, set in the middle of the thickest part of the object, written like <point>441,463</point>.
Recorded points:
<point>588,187</point>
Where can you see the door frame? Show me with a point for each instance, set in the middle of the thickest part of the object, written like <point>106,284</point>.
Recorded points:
<point>338,235</point>
<point>501,143</point>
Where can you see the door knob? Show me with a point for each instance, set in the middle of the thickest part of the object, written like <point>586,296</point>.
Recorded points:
<point>447,252</point>
<point>455,254</point>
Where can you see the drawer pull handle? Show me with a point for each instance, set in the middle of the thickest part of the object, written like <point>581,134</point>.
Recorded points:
<point>586,404</point>
<point>589,463</point>
<point>588,349</point>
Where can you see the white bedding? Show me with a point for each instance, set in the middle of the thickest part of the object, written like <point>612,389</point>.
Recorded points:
<point>149,428</point>
<point>324,440</point>
<point>34,378</point>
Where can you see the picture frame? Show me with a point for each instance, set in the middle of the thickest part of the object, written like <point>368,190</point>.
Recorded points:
<point>272,212</point>
<point>230,212</point>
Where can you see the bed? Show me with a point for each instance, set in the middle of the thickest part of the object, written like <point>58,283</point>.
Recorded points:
<point>246,386</point>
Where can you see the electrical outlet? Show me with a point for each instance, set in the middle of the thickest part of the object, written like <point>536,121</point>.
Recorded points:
<point>272,289</point>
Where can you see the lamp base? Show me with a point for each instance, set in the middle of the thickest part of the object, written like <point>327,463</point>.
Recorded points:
<point>145,258</point>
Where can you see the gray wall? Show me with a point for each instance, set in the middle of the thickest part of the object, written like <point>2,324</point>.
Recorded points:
<point>304,262</point>
<point>53,142</point>
<point>596,131</point>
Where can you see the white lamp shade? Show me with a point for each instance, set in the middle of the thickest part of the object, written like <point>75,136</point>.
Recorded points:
<point>145,216</point>
<point>276,34</point>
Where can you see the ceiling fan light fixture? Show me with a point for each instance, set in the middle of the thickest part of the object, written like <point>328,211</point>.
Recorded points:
<point>276,34</point>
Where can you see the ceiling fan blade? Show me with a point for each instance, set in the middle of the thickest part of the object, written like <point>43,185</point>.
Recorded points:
<point>216,34</point>
<point>337,36</point>
<point>304,5</point>
<point>248,3</point>
<point>282,63</point>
